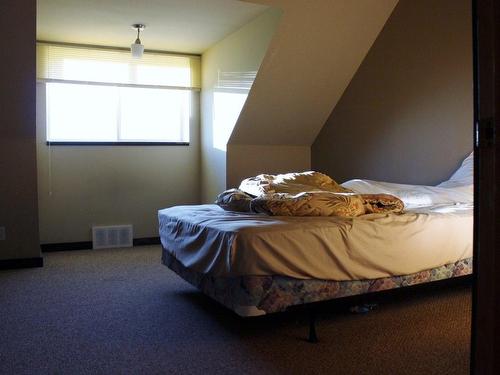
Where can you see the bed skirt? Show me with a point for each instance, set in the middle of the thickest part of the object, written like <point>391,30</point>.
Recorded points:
<point>260,295</point>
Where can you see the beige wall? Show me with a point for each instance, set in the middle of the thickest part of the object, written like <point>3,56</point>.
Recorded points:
<point>250,160</point>
<point>18,194</point>
<point>81,186</point>
<point>315,51</point>
<point>242,51</point>
<point>312,57</point>
<point>407,114</point>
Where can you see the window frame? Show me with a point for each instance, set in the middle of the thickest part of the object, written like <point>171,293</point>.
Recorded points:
<point>107,143</point>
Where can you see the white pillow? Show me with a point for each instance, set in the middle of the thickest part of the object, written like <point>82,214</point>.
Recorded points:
<point>463,176</point>
<point>414,195</point>
<point>459,188</point>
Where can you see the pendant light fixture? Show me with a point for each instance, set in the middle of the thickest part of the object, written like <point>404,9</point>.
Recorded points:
<point>137,48</point>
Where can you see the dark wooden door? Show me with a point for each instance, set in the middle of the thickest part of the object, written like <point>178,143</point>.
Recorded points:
<point>485,358</point>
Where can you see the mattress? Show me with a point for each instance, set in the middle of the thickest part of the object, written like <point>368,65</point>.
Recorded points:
<point>209,240</point>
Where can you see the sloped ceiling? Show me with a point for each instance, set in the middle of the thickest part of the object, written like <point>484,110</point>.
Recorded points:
<point>189,26</point>
<point>313,56</point>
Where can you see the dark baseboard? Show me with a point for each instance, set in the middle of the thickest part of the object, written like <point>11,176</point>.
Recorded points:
<point>87,245</point>
<point>147,241</point>
<point>66,246</point>
<point>8,264</point>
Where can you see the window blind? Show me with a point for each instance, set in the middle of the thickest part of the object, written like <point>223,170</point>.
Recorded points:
<point>236,80</point>
<point>82,64</point>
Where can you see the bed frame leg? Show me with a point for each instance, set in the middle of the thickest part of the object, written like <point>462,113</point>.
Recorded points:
<point>313,338</point>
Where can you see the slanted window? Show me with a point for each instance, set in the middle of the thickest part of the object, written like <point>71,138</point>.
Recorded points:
<point>106,96</point>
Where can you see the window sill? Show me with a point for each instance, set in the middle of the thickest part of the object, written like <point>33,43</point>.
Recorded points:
<point>74,143</point>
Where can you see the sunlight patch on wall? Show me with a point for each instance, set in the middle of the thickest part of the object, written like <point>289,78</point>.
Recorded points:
<point>230,95</point>
<point>227,108</point>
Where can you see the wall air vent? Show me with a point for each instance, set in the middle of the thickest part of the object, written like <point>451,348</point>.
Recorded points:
<point>112,236</point>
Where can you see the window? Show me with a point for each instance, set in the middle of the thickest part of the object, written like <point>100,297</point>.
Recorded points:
<point>105,96</point>
<point>94,113</point>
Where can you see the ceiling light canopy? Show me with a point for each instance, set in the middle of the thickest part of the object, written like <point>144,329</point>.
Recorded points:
<point>137,48</point>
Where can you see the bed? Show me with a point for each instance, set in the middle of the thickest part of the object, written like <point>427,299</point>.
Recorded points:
<point>256,264</point>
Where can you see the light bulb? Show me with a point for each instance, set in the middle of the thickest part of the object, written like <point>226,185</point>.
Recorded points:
<point>137,50</point>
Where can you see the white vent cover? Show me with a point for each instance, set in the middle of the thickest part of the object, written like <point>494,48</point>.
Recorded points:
<point>112,236</point>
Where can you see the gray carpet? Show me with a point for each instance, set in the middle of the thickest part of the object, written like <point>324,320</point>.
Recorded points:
<point>121,311</point>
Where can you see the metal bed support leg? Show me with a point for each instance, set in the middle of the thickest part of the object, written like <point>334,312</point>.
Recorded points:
<point>313,338</point>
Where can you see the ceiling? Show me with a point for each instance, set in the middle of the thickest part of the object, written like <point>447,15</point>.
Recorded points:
<point>189,26</point>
